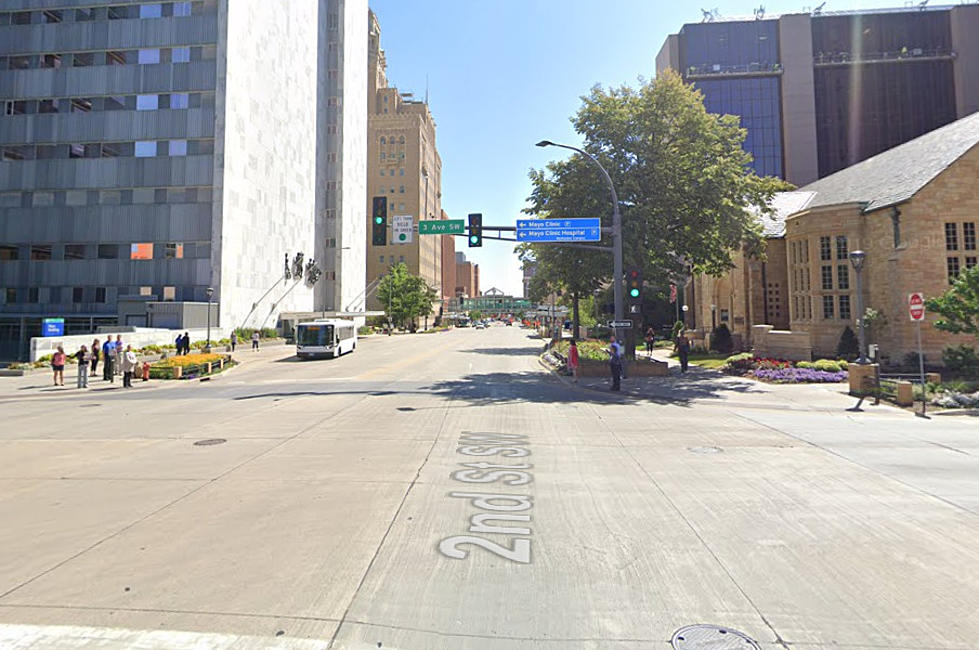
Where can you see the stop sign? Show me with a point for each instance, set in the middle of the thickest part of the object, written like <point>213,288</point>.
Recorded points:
<point>916,306</point>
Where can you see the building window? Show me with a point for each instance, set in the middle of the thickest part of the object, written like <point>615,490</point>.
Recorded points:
<point>827,277</point>
<point>42,199</point>
<point>969,236</point>
<point>10,296</point>
<point>47,106</point>
<point>115,58</point>
<point>52,16</point>
<point>382,259</point>
<point>141,251</point>
<point>118,13</point>
<point>99,294</point>
<point>179,100</point>
<point>841,247</point>
<point>828,307</point>
<point>74,251</point>
<point>842,276</point>
<point>80,105</point>
<point>151,11</point>
<point>33,295</point>
<point>147,102</point>
<point>146,291</point>
<point>83,59</point>
<point>845,307</point>
<point>15,108</point>
<point>50,60</point>
<point>145,149</point>
<point>77,294</point>
<point>149,56</point>
<point>181,55</point>
<point>108,252</point>
<point>953,269</point>
<point>970,262</point>
<point>40,252</point>
<point>20,18</point>
<point>401,189</point>
<point>169,294</point>
<point>174,251</point>
<point>825,251</point>
<point>178,147</point>
<point>9,253</point>
<point>84,15</point>
<point>181,9</point>
<point>951,237</point>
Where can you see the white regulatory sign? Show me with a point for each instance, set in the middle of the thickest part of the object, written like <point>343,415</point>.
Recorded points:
<point>402,226</point>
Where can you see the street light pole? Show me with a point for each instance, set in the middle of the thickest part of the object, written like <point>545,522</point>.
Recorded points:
<point>617,276</point>
<point>857,259</point>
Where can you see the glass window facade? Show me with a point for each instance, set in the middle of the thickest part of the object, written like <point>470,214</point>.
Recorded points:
<point>757,101</point>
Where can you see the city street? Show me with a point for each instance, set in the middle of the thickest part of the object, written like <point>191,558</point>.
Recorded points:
<point>350,503</point>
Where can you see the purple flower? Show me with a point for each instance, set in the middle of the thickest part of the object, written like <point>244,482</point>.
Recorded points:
<point>799,376</point>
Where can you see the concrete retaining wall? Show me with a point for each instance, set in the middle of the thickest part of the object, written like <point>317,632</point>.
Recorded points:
<point>781,344</point>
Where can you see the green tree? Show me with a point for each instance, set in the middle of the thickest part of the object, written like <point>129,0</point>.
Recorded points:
<point>684,186</point>
<point>405,296</point>
<point>958,307</point>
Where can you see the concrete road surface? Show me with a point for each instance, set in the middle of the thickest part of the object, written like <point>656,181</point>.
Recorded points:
<point>443,491</point>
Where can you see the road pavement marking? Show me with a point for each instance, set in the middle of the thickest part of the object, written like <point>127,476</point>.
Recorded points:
<point>509,445</point>
<point>72,637</point>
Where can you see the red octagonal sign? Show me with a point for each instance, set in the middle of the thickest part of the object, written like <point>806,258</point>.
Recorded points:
<point>916,306</point>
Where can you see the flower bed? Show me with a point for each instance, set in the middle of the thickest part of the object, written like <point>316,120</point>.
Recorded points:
<point>190,366</point>
<point>780,371</point>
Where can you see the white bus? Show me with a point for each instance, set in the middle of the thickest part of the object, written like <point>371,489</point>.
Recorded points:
<point>325,336</point>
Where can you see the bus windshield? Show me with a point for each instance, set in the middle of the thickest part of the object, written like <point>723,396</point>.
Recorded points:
<point>321,335</point>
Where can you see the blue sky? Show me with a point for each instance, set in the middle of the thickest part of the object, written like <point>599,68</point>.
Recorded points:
<point>504,74</point>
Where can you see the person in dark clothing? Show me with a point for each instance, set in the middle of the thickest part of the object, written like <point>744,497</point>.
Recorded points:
<point>96,351</point>
<point>179,342</point>
<point>108,352</point>
<point>615,363</point>
<point>186,342</point>
<point>683,351</point>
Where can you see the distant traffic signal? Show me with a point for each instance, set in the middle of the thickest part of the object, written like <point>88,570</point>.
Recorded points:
<point>475,230</point>
<point>379,221</point>
<point>634,284</point>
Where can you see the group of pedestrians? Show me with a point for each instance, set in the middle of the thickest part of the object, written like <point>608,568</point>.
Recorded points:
<point>616,354</point>
<point>183,343</point>
<point>115,357</point>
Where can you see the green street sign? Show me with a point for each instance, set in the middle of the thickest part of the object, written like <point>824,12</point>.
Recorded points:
<point>447,227</point>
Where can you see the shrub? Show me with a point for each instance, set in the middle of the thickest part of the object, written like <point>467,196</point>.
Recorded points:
<point>826,365</point>
<point>961,359</point>
<point>772,364</point>
<point>740,362</point>
<point>720,340</point>
<point>365,330</point>
<point>187,360</point>
<point>849,346</point>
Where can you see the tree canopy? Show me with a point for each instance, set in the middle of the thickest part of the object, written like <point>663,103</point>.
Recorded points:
<point>685,189</point>
<point>405,296</point>
<point>958,307</point>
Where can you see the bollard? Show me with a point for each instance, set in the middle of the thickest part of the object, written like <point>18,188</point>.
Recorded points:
<point>905,393</point>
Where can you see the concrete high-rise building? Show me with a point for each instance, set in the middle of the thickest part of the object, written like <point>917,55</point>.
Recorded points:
<point>467,277</point>
<point>403,165</point>
<point>820,92</point>
<point>161,148</point>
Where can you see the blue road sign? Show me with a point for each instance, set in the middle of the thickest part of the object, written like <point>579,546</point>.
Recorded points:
<point>553,230</point>
<point>53,327</point>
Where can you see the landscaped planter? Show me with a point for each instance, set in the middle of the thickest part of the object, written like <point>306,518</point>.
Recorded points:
<point>186,368</point>
<point>638,368</point>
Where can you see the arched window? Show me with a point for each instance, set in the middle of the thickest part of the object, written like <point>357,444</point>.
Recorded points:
<point>402,140</point>
<point>384,140</point>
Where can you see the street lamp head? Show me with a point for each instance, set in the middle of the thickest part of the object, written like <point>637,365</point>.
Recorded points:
<point>857,259</point>
<point>544,143</point>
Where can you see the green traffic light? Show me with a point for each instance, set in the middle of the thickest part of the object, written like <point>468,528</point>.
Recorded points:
<point>378,220</point>
<point>634,293</point>
<point>474,239</point>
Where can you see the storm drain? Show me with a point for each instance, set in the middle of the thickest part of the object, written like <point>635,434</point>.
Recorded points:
<point>705,450</point>
<point>711,637</point>
<point>209,442</point>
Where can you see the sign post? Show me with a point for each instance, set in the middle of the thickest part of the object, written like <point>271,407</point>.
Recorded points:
<point>916,310</point>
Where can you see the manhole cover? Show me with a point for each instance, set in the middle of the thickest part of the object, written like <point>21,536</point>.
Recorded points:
<point>209,442</point>
<point>705,450</point>
<point>711,637</point>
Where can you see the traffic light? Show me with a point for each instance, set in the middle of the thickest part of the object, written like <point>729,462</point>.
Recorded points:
<point>379,221</point>
<point>634,285</point>
<point>475,230</point>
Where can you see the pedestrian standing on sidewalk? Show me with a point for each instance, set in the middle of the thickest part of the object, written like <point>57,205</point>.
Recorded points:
<point>186,342</point>
<point>179,342</point>
<point>255,338</point>
<point>615,362</point>
<point>234,340</point>
<point>683,351</point>
<point>83,358</point>
<point>58,366</point>
<point>128,367</point>
<point>573,359</point>
<point>120,352</point>
<point>650,341</point>
<point>108,357</point>
<point>94,356</point>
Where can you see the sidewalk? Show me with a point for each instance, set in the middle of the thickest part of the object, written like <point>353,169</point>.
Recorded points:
<point>700,385</point>
<point>39,383</point>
